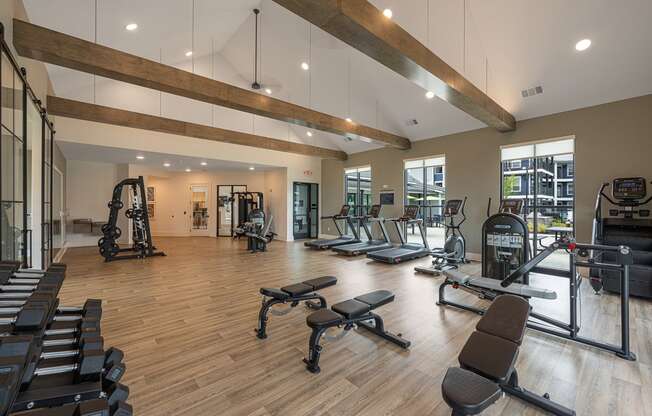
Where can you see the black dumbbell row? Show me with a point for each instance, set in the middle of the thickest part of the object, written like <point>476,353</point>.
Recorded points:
<point>52,358</point>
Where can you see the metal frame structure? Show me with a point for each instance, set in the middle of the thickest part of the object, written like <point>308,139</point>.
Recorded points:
<point>567,330</point>
<point>28,92</point>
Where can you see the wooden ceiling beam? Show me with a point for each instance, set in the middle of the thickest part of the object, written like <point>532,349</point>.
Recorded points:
<point>53,47</point>
<point>91,112</point>
<point>361,25</point>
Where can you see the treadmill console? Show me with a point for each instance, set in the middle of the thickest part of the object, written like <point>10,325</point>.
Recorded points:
<point>511,206</point>
<point>411,212</point>
<point>344,212</point>
<point>628,188</point>
<point>452,207</point>
<point>374,211</point>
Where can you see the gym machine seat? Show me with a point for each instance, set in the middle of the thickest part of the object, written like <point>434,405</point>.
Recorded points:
<point>347,314</point>
<point>487,362</point>
<point>292,294</point>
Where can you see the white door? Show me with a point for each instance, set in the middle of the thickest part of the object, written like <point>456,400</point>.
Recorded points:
<point>199,210</point>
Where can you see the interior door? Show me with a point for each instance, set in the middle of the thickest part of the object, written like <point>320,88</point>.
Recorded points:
<point>305,210</point>
<point>199,210</point>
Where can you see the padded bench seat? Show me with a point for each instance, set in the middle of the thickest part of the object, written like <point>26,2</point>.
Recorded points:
<point>350,309</point>
<point>298,289</point>
<point>468,393</point>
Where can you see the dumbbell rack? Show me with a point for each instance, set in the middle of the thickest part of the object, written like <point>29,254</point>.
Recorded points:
<point>52,358</point>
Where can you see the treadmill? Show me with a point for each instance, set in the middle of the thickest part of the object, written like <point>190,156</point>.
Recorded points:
<point>406,251</point>
<point>354,249</point>
<point>324,243</point>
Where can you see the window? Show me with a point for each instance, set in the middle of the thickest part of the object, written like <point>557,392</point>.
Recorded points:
<point>516,187</point>
<point>546,187</point>
<point>357,190</point>
<point>425,185</point>
<point>515,164</point>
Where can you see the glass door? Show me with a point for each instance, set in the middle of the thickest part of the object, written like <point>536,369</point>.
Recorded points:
<point>199,209</point>
<point>305,212</point>
<point>226,214</point>
<point>58,220</point>
<point>357,191</point>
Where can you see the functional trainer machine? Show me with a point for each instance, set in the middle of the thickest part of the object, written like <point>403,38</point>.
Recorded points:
<point>373,217</point>
<point>142,244</point>
<point>482,377</point>
<point>405,251</point>
<point>622,228</point>
<point>454,251</point>
<point>327,243</point>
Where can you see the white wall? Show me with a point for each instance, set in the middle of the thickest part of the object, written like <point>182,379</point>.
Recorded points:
<point>172,211</point>
<point>89,188</point>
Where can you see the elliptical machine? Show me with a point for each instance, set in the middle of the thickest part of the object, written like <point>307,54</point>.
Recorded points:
<point>454,251</point>
<point>627,225</point>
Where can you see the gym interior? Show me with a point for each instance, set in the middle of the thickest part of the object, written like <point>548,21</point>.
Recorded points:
<point>275,207</point>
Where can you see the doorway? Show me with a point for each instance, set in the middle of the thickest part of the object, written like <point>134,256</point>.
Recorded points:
<point>199,210</point>
<point>227,210</point>
<point>305,223</point>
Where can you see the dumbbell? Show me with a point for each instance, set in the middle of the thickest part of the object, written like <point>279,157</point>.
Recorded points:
<point>91,308</point>
<point>87,367</point>
<point>71,328</point>
<point>8,283</point>
<point>84,338</point>
<point>33,315</point>
<point>87,343</point>
<point>114,368</point>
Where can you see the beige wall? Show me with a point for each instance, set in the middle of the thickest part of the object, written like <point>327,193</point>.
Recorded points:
<point>611,140</point>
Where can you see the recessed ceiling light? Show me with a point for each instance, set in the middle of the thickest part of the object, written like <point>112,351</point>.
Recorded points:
<point>349,120</point>
<point>140,157</point>
<point>388,13</point>
<point>309,133</point>
<point>131,27</point>
<point>189,53</point>
<point>167,165</point>
<point>305,66</point>
<point>252,168</point>
<point>188,170</point>
<point>430,95</point>
<point>203,163</point>
<point>583,45</point>
<point>268,91</point>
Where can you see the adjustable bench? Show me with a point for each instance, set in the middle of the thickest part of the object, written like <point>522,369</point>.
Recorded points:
<point>487,362</point>
<point>346,314</point>
<point>292,294</point>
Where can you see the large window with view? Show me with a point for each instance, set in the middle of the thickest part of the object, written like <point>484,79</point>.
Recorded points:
<point>542,175</point>
<point>425,186</point>
<point>357,191</point>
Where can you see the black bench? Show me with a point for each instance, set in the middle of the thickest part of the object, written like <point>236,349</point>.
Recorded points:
<point>292,294</point>
<point>487,362</point>
<point>346,315</point>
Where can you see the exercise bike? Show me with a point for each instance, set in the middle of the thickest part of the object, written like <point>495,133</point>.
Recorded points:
<point>454,251</point>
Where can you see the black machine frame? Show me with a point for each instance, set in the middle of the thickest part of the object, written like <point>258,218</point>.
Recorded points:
<point>567,330</point>
<point>20,73</point>
<point>107,243</point>
<point>229,201</point>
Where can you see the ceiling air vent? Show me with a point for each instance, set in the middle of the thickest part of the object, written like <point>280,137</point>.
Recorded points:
<point>412,122</point>
<point>532,91</point>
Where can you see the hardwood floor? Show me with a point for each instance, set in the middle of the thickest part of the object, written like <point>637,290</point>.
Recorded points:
<point>186,323</point>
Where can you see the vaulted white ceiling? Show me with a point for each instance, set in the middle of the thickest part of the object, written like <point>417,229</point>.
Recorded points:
<point>502,46</point>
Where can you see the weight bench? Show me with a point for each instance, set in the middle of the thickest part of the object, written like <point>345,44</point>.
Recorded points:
<point>292,294</point>
<point>456,277</point>
<point>487,363</point>
<point>345,315</point>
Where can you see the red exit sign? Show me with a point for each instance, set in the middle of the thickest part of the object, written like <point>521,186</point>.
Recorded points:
<point>307,172</point>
